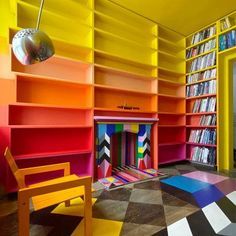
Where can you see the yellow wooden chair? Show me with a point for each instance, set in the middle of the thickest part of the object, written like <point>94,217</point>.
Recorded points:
<point>50,192</point>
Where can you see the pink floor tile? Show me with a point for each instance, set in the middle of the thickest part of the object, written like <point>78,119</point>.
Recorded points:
<point>206,177</point>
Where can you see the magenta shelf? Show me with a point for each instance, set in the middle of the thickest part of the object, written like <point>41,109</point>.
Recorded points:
<point>173,160</point>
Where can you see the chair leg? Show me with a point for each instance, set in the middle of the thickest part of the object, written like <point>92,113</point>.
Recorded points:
<point>67,203</point>
<point>23,216</point>
<point>87,211</point>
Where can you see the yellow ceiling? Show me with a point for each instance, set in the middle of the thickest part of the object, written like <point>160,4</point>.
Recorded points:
<point>183,16</point>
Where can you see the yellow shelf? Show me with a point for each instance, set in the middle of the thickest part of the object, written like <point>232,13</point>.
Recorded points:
<point>131,42</point>
<point>172,44</point>
<point>128,60</point>
<point>198,71</point>
<point>173,57</point>
<point>129,73</point>
<point>227,30</point>
<point>128,26</point>
<point>201,42</point>
<point>169,71</point>
<point>200,81</point>
<point>226,50</point>
<point>202,54</point>
<point>173,83</point>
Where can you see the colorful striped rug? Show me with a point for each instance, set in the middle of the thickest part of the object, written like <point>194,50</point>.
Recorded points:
<point>128,174</point>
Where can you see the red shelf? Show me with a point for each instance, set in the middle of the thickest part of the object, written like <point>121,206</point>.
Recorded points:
<point>201,126</point>
<point>52,154</point>
<point>200,113</point>
<point>201,144</point>
<point>170,126</point>
<point>171,144</point>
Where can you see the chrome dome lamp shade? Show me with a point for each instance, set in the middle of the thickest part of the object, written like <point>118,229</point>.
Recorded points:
<point>31,46</point>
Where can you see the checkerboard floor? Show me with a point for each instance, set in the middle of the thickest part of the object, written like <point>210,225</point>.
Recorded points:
<point>160,206</point>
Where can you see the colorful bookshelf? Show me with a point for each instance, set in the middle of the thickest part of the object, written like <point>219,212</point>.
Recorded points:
<point>201,91</point>
<point>48,115</point>
<point>171,96</point>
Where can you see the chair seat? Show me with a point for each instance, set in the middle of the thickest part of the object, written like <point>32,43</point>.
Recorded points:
<point>45,200</point>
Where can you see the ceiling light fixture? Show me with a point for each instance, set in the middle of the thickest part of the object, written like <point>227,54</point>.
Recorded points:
<point>31,45</point>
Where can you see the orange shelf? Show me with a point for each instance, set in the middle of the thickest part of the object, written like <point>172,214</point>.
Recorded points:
<point>201,96</point>
<point>123,110</point>
<point>170,96</point>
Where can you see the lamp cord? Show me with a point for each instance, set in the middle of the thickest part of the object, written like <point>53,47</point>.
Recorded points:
<point>39,14</point>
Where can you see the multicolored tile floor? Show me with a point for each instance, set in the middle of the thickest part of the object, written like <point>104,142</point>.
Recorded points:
<point>185,202</point>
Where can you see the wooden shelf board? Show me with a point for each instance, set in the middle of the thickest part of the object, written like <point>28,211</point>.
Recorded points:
<point>201,96</point>
<point>201,42</point>
<point>130,41</point>
<point>173,83</point>
<point>174,57</point>
<point>200,113</point>
<point>170,71</point>
<point>124,90</point>
<point>178,47</point>
<point>200,163</point>
<point>201,126</point>
<point>49,106</point>
<point>199,55</point>
<point>171,144</point>
<point>171,126</point>
<point>198,71</point>
<point>172,160</point>
<point>49,126</point>
<point>170,113</point>
<point>128,60</point>
<point>226,50</point>
<point>124,24</point>
<point>170,96</point>
<point>131,74</point>
<point>227,30</point>
<point>51,154</point>
<point>200,144</point>
<point>50,78</point>
<point>201,81</point>
<point>123,110</point>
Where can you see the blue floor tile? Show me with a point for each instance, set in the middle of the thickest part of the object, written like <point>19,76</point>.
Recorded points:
<point>185,183</point>
<point>207,195</point>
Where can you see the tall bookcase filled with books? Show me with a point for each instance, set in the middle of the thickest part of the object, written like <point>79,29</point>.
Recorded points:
<point>201,90</point>
<point>171,96</point>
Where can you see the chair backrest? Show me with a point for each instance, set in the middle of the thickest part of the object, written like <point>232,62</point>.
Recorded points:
<point>14,168</point>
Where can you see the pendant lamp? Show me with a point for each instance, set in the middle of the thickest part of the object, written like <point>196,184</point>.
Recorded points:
<point>31,45</point>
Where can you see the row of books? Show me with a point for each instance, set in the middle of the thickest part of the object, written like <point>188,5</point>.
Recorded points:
<point>208,87</point>
<point>204,34</point>
<point>205,47</point>
<point>203,155</point>
<point>203,136</point>
<point>203,62</point>
<point>204,105</point>
<point>208,120</point>
<point>207,74</point>
<point>226,23</point>
<point>227,40</point>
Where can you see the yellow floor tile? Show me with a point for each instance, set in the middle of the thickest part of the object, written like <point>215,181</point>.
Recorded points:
<point>75,209</point>
<point>100,228</point>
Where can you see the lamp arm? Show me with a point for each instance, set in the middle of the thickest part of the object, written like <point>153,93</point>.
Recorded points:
<point>39,14</point>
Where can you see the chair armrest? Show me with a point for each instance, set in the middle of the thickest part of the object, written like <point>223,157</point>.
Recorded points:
<point>47,168</point>
<point>39,190</point>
